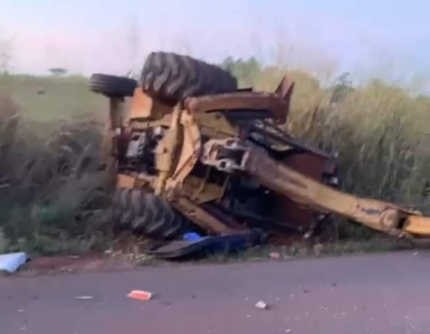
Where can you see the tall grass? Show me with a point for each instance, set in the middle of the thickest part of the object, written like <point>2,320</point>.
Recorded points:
<point>54,191</point>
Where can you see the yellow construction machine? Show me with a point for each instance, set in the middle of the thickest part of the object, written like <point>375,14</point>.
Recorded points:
<point>195,153</point>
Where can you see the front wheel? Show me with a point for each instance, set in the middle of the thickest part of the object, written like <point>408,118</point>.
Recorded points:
<point>145,213</point>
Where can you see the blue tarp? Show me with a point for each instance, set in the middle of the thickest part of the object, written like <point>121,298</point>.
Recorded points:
<point>11,262</point>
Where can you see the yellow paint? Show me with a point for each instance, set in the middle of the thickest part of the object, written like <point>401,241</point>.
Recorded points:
<point>418,225</point>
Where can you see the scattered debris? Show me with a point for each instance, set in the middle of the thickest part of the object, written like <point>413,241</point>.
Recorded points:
<point>288,330</point>
<point>274,255</point>
<point>261,305</point>
<point>192,236</point>
<point>415,254</point>
<point>11,262</point>
<point>165,303</point>
<point>140,295</point>
<point>192,244</point>
<point>84,297</point>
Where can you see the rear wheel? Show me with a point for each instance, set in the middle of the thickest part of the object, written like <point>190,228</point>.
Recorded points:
<point>145,213</point>
<point>173,77</point>
<point>112,86</point>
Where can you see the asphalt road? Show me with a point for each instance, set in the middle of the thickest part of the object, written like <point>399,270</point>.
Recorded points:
<point>364,294</point>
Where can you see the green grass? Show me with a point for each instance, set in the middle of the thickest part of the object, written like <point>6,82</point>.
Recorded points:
<point>50,99</point>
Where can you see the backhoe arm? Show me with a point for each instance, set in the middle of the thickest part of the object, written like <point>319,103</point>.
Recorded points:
<point>234,156</point>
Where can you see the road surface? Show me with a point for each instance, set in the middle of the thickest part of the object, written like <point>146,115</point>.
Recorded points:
<point>362,294</point>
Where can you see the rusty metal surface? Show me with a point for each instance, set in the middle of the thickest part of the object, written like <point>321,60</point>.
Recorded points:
<point>145,107</point>
<point>301,193</point>
<point>125,181</point>
<point>226,155</point>
<point>175,179</point>
<point>297,180</point>
<point>279,135</point>
<point>116,112</point>
<point>270,102</point>
<point>200,190</point>
<point>285,91</point>
<point>277,103</point>
<point>285,209</point>
<point>137,124</point>
<point>134,180</point>
<point>304,190</point>
<point>215,125</point>
<point>201,217</point>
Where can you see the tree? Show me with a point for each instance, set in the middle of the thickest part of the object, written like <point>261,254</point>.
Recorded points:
<point>246,71</point>
<point>342,88</point>
<point>57,71</point>
<point>5,55</point>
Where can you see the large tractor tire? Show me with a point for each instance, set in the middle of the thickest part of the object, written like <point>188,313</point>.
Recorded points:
<point>173,77</point>
<point>112,86</point>
<point>145,213</point>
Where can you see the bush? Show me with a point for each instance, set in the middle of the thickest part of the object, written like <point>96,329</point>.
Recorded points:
<point>54,191</point>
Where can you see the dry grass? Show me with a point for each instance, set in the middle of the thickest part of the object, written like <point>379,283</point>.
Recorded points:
<point>53,189</point>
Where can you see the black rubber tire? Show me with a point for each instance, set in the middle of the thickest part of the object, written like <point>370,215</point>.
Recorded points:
<point>173,77</point>
<point>144,213</point>
<point>112,86</point>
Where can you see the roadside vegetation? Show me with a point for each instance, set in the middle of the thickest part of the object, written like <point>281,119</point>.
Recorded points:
<point>54,189</point>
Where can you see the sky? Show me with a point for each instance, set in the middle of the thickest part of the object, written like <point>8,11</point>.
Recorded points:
<point>87,36</point>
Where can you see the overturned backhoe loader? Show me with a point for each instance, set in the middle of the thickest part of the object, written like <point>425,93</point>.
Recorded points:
<point>195,153</point>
